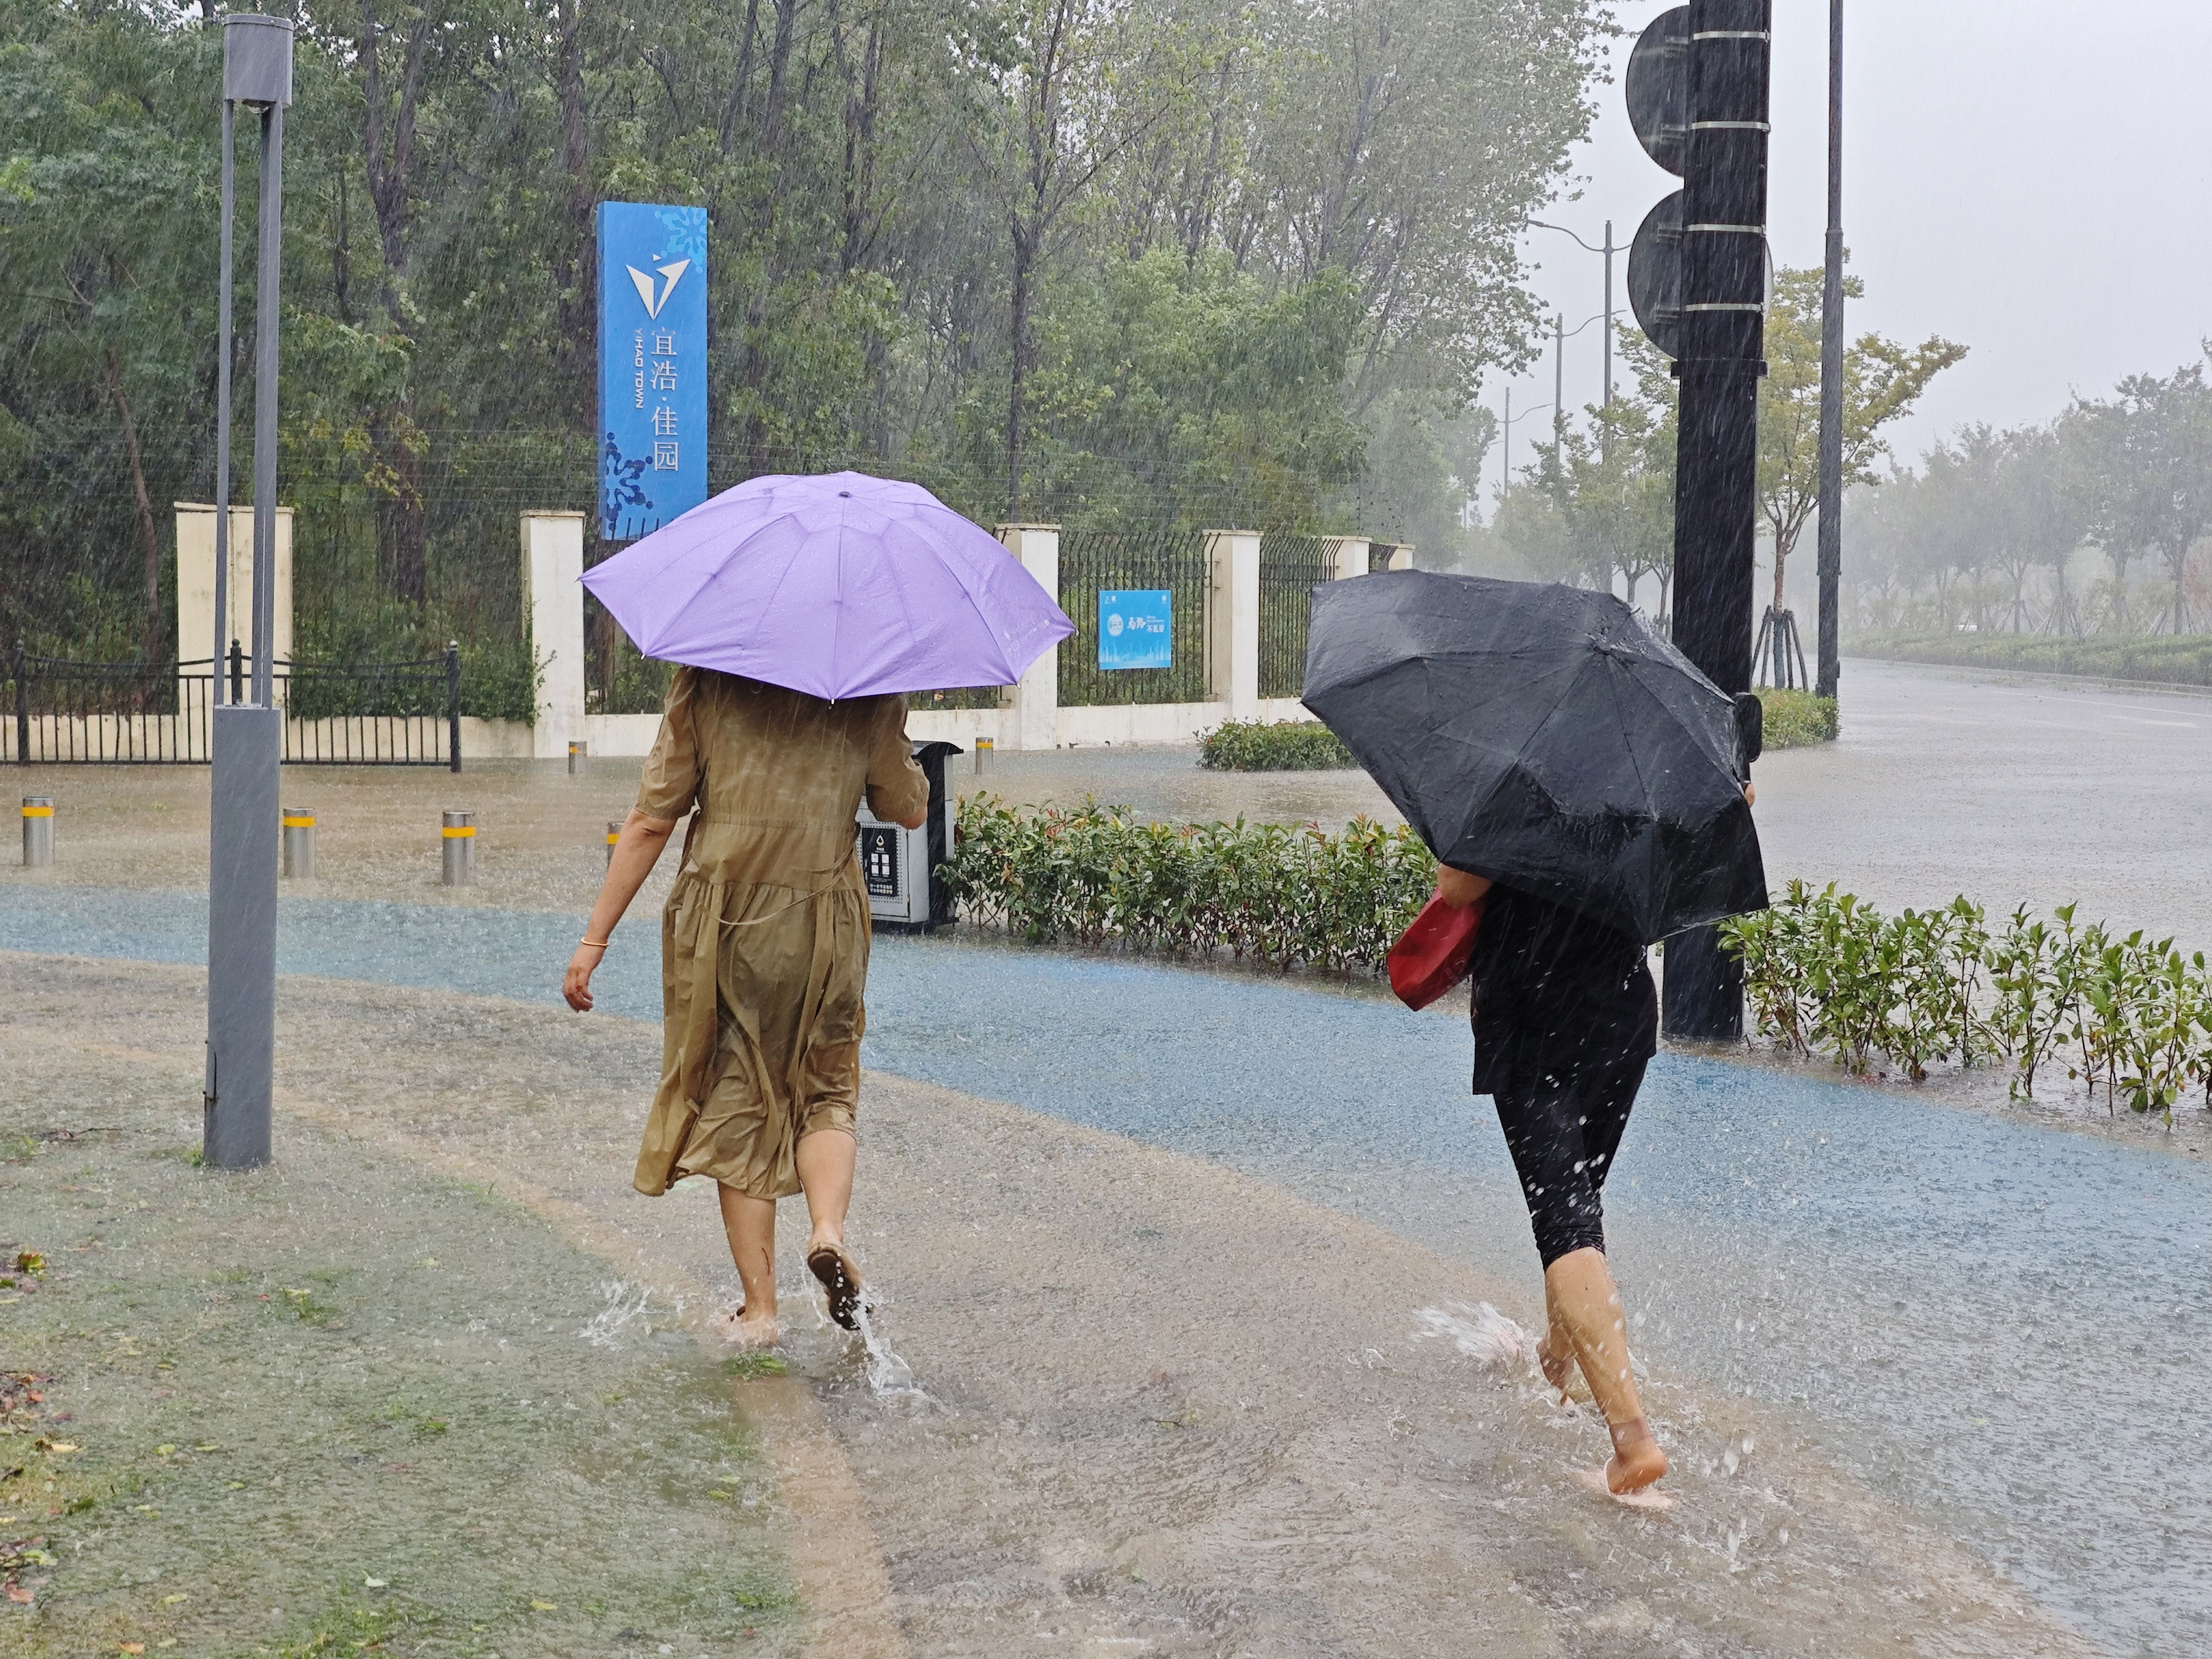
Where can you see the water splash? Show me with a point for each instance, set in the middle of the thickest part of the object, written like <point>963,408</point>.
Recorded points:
<point>1481,1334</point>
<point>889,1378</point>
<point>623,1305</point>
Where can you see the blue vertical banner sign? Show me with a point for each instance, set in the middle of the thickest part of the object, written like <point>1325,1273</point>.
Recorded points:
<point>1136,627</point>
<point>652,365</point>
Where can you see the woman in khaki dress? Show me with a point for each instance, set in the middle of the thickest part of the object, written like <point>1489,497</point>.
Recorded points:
<point>764,955</point>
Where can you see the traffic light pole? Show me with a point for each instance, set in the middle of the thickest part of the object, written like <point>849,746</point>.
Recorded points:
<point>1717,454</point>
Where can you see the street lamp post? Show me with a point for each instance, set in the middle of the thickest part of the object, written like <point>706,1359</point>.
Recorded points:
<point>1608,249</point>
<point>1831,561</point>
<point>247,735</point>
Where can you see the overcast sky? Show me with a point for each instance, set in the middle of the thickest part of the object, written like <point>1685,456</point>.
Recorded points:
<point>2031,179</point>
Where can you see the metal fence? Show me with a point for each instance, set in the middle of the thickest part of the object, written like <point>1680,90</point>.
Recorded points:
<point>1291,568</point>
<point>1091,559</point>
<point>65,713</point>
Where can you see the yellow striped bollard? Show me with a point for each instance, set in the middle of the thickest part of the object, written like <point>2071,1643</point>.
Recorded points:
<point>460,838</point>
<point>37,831</point>
<point>614,835</point>
<point>299,844</point>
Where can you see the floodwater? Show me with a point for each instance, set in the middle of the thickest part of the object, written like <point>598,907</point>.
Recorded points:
<point>1997,1326</point>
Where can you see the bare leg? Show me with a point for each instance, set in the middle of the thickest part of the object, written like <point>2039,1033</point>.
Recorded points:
<point>1555,1348</point>
<point>1579,1285</point>
<point>751,1223</point>
<point>825,1161</point>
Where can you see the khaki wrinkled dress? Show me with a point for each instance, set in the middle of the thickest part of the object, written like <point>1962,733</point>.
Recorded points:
<point>764,942</point>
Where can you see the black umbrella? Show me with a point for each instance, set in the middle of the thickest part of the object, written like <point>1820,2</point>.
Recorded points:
<point>1544,737</point>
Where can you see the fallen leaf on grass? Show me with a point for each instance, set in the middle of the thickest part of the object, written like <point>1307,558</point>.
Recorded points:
<point>172,1601</point>
<point>131,1647</point>
<point>545,1607</point>
<point>18,1595</point>
<point>374,1583</point>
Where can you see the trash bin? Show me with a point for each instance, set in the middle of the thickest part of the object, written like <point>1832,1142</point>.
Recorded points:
<point>906,893</point>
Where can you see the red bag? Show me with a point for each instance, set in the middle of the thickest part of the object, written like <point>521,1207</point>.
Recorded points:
<point>1431,955</point>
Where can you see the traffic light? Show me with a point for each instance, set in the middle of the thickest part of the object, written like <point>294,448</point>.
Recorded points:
<point>1697,89</point>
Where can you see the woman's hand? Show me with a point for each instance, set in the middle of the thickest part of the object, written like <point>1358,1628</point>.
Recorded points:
<point>635,851</point>
<point>1750,795</point>
<point>1458,889</point>
<point>576,983</point>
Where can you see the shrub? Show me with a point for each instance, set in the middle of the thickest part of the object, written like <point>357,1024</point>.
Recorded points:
<point>1827,972</point>
<point>1794,719</point>
<point>1284,746</point>
<point>2174,660</point>
<point>1265,892</point>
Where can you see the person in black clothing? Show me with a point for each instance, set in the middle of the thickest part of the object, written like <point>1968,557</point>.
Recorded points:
<point>1565,1020</point>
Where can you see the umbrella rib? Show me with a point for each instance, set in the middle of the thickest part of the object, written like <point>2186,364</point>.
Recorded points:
<point>1505,773</point>
<point>728,558</point>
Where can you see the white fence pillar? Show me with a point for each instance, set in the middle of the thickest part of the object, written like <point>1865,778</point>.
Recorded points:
<point>552,566</point>
<point>1401,556</point>
<point>1347,556</point>
<point>1233,621</point>
<point>1029,716</point>
<point>196,628</point>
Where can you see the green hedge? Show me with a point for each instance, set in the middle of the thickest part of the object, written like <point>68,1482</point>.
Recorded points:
<point>1284,746</point>
<point>1093,875</point>
<point>1792,719</point>
<point>2167,658</point>
<point>1827,972</point>
<point>1796,720</point>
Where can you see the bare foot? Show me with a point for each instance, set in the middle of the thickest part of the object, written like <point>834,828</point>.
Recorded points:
<point>1560,1369</point>
<point>1636,1460</point>
<point>829,1260</point>
<point>743,1332</point>
<point>1643,1499</point>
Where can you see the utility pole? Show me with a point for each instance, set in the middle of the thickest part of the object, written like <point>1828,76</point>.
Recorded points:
<point>1721,333</point>
<point>247,735</point>
<point>1830,563</point>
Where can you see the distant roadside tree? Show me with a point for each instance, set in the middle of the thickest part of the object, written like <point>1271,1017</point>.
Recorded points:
<point>1882,381</point>
<point>2150,477</point>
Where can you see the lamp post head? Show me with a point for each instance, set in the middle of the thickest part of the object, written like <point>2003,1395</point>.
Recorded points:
<point>257,60</point>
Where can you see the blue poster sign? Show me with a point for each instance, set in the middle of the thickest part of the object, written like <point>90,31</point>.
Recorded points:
<point>1136,627</point>
<point>652,365</point>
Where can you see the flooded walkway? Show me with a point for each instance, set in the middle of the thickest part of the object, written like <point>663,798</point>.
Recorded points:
<point>1981,1328</point>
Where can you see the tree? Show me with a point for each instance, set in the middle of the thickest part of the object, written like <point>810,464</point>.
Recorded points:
<point>2150,450</point>
<point>1613,487</point>
<point>1070,116</point>
<point>1882,381</point>
<point>1085,258</point>
<point>106,286</point>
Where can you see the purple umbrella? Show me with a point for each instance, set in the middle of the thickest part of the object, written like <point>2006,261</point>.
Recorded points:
<point>841,585</point>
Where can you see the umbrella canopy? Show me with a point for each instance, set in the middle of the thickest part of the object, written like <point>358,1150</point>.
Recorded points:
<point>1544,737</point>
<point>839,585</point>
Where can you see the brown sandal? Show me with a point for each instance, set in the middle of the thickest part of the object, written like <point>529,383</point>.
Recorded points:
<point>840,1278</point>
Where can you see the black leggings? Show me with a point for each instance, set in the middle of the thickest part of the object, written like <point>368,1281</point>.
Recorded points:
<point>1563,1126</point>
